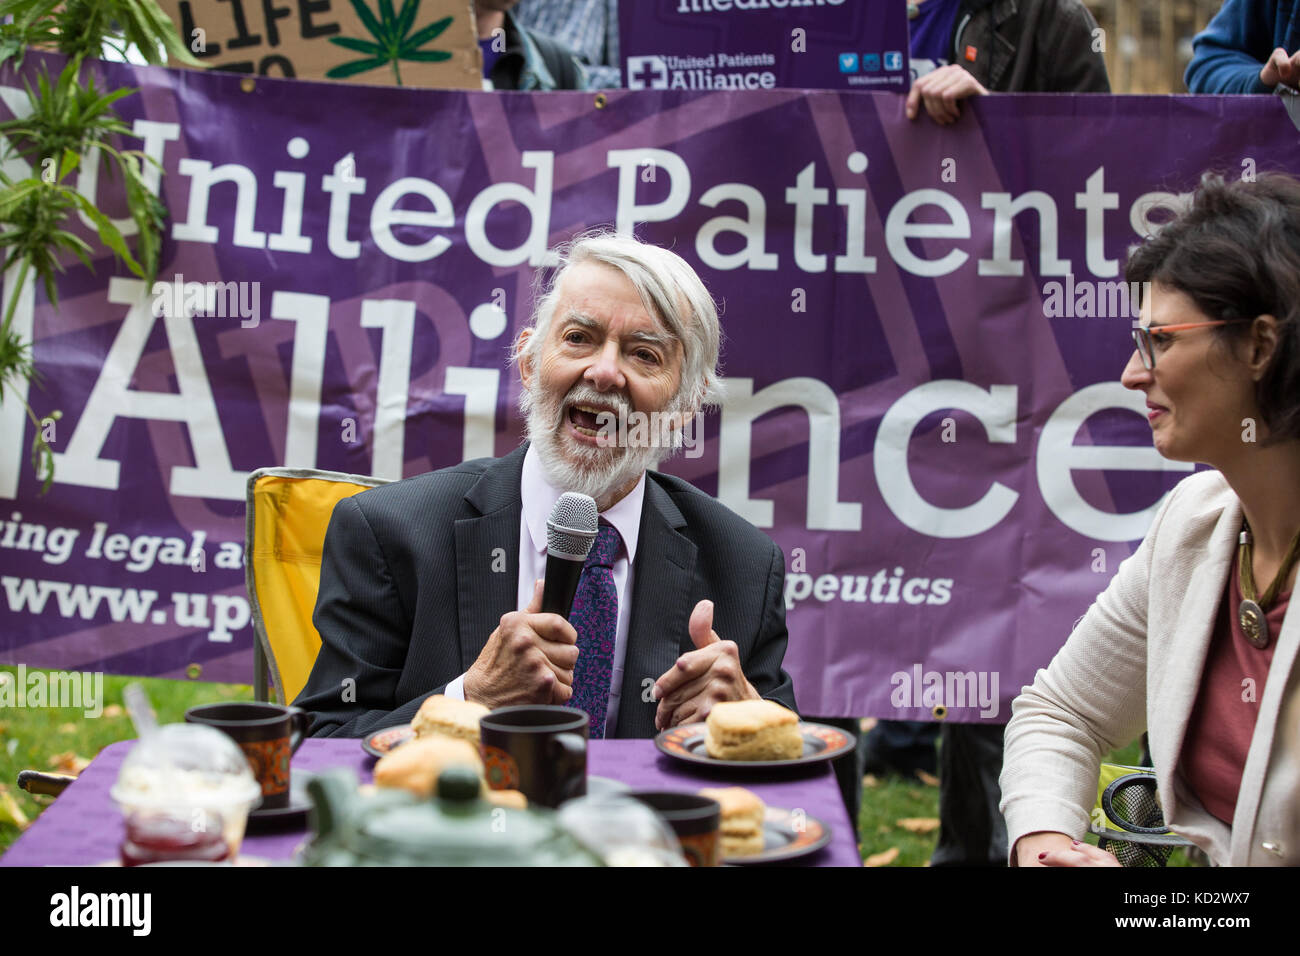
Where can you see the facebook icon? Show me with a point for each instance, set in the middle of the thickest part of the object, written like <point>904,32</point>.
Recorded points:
<point>893,60</point>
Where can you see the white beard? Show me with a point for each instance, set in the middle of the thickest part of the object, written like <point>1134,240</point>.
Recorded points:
<point>569,466</point>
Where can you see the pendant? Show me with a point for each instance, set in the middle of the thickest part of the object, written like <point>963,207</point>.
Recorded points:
<point>913,11</point>
<point>1253,623</point>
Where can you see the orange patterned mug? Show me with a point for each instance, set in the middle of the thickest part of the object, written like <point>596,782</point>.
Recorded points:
<point>268,734</point>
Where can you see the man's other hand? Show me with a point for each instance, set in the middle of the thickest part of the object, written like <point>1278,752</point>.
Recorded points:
<point>1281,67</point>
<point>941,91</point>
<point>701,678</point>
<point>529,659</point>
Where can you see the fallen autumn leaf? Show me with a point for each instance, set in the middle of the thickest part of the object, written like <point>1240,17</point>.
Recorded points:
<point>919,824</point>
<point>883,858</point>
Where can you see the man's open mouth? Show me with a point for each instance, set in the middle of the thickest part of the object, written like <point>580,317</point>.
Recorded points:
<point>586,418</point>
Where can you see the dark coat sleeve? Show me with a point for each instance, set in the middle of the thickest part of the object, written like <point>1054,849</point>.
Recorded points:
<point>763,667</point>
<point>1071,62</point>
<point>365,634</point>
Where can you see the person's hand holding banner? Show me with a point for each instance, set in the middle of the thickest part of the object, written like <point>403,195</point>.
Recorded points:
<point>942,92</point>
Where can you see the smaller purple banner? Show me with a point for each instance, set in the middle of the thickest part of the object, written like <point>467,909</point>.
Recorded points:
<point>764,44</point>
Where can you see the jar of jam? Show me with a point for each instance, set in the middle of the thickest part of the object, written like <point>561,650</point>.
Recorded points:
<point>158,838</point>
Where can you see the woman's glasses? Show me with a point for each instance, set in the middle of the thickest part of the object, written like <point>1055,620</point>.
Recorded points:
<point>1145,341</point>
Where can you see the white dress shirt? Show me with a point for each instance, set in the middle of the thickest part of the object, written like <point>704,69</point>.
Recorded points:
<point>539,498</point>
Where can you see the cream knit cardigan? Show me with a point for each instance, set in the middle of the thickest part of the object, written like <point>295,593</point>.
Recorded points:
<point>1134,663</point>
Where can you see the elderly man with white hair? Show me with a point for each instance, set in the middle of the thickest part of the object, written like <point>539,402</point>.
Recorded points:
<point>431,585</point>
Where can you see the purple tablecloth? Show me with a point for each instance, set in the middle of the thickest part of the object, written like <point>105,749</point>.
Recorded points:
<point>84,827</point>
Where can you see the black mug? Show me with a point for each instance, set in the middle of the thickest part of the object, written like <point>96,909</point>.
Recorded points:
<point>268,734</point>
<point>540,750</point>
<point>695,820</point>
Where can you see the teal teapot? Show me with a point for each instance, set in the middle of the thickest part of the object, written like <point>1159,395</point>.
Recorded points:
<point>455,827</point>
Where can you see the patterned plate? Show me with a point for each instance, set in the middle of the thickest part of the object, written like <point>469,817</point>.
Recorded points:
<point>390,738</point>
<point>787,834</point>
<point>820,742</point>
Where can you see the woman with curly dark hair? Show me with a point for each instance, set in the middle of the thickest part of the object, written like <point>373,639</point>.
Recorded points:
<point>1192,641</point>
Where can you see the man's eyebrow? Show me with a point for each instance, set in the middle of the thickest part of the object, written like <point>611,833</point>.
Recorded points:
<point>657,339</point>
<point>580,318</point>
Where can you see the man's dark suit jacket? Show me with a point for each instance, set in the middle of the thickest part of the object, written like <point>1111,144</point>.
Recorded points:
<point>417,574</point>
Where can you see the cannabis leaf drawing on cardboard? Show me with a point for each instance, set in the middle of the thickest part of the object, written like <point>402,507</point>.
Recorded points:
<point>391,42</point>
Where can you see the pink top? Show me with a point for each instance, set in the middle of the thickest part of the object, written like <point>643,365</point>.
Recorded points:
<point>1227,704</point>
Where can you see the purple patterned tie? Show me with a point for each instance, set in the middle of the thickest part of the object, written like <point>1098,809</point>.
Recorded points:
<point>595,617</point>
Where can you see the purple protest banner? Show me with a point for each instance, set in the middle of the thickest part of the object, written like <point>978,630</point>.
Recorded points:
<point>924,330</point>
<point>764,44</point>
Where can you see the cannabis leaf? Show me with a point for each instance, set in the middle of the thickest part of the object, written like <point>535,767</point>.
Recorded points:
<point>391,41</point>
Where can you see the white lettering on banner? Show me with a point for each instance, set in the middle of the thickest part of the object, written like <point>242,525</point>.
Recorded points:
<point>384,215</point>
<point>230,612</point>
<point>854,202</point>
<point>306,374</point>
<point>213,477</point>
<point>137,554</point>
<point>995,410</point>
<point>112,398</point>
<point>480,387</point>
<point>898,229</point>
<point>156,136</point>
<point>753,229</point>
<point>1004,210</point>
<point>1139,214</point>
<point>881,588</point>
<point>397,318</point>
<point>341,186</point>
<point>741,406</point>
<point>1058,456</point>
<point>804,195</point>
<point>1094,201</point>
<point>628,162</point>
<point>537,201</point>
<point>202,178</point>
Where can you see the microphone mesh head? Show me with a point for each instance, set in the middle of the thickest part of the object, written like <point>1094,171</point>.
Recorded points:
<point>571,529</point>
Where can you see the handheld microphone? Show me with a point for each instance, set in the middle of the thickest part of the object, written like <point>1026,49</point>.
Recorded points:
<point>570,533</point>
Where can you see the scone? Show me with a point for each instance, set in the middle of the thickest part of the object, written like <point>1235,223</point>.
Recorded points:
<point>752,730</point>
<point>742,820</point>
<point>449,717</point>
<point>415,766</point>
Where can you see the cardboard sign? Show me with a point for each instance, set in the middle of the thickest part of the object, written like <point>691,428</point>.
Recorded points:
<point>424,43</point>
<point>764,44</point>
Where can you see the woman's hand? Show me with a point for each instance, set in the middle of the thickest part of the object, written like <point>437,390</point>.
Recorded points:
<point>1058,849</point>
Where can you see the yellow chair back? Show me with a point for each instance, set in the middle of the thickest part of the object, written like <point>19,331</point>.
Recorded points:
<point>288,512</point>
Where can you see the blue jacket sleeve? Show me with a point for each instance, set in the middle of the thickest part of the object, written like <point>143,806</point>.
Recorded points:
<point>1229,53</point>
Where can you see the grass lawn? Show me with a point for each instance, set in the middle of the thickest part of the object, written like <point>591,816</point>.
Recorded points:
<point>898,824</point>
<point>64,739</point>
<point>888,800</point>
